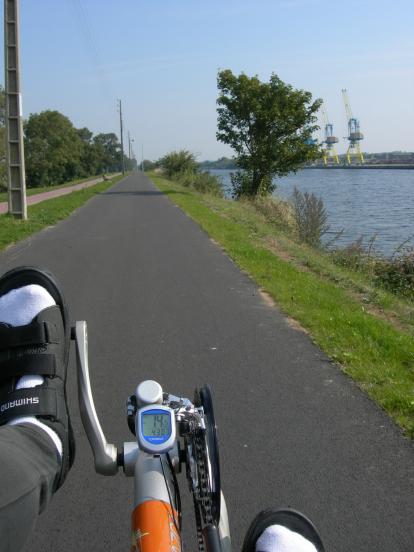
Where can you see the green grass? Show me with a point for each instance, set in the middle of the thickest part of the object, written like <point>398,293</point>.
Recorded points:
<point>34,191</point>
<point>327,301</point>
<point>47,213</point>
<point>397,310</point>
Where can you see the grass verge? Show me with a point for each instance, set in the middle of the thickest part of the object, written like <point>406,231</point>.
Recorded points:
<point>47,213</point>
<point>327,300</point>
<point>34,191</point>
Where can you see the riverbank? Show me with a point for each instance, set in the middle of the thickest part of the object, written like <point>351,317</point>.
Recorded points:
<point>363,204</point>
<point>362,166</point>
<point>212,166</point>
<point>367,331</point>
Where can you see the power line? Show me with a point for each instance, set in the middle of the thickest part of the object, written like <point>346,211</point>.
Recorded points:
<point>95,57</point>
<point>92,47</point>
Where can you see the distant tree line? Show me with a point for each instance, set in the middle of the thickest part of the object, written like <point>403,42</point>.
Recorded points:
<point>221,163</point>
<point>57,152</point>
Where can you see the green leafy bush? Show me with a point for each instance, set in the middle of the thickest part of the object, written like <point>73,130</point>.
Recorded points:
<point>397,273</point>
<point>243,185</point>
<point>182,167</point>
<point>202,182</point>
<point>177,162</point>
<point>207,183</point>
<point>353,256</point>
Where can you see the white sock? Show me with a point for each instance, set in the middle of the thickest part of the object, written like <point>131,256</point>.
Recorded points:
<point>18,307</point>
<point>277,538</point>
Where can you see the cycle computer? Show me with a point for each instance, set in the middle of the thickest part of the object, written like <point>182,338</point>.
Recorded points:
<point>156,430</point>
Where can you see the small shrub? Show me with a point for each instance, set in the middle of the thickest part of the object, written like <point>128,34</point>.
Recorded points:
<point>396,274</point>
<point>186,178</point>
<point>207,183</point>
<point>276,211</point>
<point>351,256</point>
<point>182,167</point>
<point>242,183</point>
<point>177,162</point>
<point>149,165</point>
<point>202,182</point>
<point>310,216</point>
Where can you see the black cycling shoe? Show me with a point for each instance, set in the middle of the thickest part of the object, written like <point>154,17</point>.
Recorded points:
<point>42,348</point>
<point>291,519</point>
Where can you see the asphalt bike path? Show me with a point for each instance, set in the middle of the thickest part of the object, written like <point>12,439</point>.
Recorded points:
<point>162,301</point>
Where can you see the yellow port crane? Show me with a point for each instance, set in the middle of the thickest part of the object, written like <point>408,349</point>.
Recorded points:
<point>330,140</point>
<point>354,133</point>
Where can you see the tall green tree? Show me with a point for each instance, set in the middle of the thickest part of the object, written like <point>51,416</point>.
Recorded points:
<point>53,149</point>
<point>269,125</point>
<point>109,150</point>
<point>85,135</point>
<point>91,154</point>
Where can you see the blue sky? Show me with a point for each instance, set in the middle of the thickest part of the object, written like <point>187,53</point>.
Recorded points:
<point>161,58</point>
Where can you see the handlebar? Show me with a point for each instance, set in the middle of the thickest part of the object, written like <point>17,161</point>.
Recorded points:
<point>195,424</point>
<point>106,457</point>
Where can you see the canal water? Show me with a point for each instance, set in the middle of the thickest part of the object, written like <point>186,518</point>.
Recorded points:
<point>363,203</point>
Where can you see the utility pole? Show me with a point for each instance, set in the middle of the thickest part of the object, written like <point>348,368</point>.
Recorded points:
<point>133,158</point>
<point>122,135</point>
<point>131,153</point>
<point>142,157</point>
<point>14,127</point>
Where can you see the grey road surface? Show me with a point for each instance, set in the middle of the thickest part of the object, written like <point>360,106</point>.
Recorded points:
<point>162,301</point>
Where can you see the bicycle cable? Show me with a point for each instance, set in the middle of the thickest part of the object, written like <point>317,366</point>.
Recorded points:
<point>177,496</point>
<point>177,527</point>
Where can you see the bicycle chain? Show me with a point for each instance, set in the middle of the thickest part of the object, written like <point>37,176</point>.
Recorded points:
<point>203,501</point>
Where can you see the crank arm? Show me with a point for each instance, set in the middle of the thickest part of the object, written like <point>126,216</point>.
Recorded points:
<point>104,453</point>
